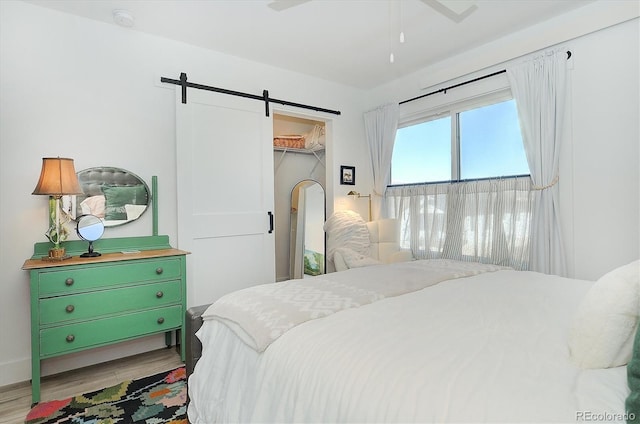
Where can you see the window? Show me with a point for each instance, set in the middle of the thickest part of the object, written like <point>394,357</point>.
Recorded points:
<point>472,141</point>
<point>464,211</point>
<point>422,152</point>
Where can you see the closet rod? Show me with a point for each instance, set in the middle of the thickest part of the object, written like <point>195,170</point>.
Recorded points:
<point>265,95</point>
<point>444,90</point>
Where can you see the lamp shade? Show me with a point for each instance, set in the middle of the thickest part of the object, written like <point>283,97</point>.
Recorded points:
<point>57,178</point>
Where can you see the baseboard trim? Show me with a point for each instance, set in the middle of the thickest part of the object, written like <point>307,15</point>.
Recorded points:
<point>19,371</point>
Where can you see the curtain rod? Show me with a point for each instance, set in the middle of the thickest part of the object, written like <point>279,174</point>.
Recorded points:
<point>444,90</point>
<point>265,95</point>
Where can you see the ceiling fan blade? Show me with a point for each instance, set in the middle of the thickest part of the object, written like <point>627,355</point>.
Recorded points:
<point>280,5</point>
<point>457,10</point>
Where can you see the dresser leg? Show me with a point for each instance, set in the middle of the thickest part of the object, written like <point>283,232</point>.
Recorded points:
<point>35,381</point>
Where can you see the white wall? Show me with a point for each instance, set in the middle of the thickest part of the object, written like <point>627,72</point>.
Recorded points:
<point>599,180</point>
<point>78,88</point>
<point>604,152</point>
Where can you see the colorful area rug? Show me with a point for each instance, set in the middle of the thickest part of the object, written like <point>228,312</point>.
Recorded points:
<point>158,399</point>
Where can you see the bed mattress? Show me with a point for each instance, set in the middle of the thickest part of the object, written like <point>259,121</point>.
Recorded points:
<point>485,348</point>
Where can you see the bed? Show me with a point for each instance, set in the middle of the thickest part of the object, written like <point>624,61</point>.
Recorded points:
<point>421,341</point>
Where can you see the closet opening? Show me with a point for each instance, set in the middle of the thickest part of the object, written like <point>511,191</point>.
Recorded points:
<point>299,147</point>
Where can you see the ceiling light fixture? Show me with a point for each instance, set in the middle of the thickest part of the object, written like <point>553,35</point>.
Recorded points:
<point>123,18</point>
<point>391,2</point>
<point>401,26</point>
<point>391,57</point>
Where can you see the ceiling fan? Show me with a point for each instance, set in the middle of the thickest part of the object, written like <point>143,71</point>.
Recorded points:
<point>456,10</point>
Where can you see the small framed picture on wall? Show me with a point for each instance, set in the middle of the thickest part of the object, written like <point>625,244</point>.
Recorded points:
<point>347,175</point>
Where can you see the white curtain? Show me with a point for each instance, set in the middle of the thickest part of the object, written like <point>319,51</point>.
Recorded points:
<point>538,86</point>
<point>484,221</point>
<point>380,127</point>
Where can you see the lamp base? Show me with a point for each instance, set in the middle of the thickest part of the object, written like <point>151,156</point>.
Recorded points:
<point>56,254</point>
<point>50,259</point>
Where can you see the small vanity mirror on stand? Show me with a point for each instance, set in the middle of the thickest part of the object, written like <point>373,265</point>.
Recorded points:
<point>89,228</point>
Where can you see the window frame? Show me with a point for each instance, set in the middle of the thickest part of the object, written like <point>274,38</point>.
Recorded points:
<point>453,110</point>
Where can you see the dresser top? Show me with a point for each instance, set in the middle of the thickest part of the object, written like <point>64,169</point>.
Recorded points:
<point>105,257</point>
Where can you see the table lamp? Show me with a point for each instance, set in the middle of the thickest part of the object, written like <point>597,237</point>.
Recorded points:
<point>57,178</point>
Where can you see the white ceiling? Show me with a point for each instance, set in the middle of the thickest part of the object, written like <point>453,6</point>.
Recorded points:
<point>346,41</point>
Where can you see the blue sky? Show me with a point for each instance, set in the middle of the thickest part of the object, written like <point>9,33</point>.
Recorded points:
<point>491,146</point>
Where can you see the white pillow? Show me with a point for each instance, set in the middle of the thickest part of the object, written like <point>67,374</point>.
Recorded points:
<point>605,323</point>
<point>346,229</point>
<point>354,259</point>
<point>93,205</point>
<point>134,211</point>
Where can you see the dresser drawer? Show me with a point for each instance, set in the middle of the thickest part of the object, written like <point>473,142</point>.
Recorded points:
<point>77,336</point>
<point>107,302</point>
<point>78,278</point>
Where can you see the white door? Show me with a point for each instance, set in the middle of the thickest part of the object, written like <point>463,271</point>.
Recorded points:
<point>224,193</point>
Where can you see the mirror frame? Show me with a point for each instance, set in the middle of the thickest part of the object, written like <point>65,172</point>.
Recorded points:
<point>294,209</point>
<point>93,182</point>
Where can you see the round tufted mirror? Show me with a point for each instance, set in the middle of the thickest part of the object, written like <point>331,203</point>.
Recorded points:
<point>89,228</point>
<point>115,195</point>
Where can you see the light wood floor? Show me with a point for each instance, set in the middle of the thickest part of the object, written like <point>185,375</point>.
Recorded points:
<point>15,399</point>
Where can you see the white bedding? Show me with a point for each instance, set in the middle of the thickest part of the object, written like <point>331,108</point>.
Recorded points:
<point>487,348</point>
<point>260,314</point>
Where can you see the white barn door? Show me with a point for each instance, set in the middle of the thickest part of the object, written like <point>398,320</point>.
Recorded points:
<point>224,193</point>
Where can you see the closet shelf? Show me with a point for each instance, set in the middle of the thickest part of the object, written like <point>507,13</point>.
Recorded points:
<point>296,150</point>
<point>316,151</point>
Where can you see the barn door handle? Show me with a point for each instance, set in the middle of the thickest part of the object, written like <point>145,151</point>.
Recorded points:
<point>270,221</point>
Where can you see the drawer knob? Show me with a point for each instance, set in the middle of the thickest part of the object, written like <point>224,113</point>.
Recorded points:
<point>70,338</point>
<point>159,294</point>
<point>69,281</point>
<point>70,308</point>
<point>159,270</point>
<point>160,320</point>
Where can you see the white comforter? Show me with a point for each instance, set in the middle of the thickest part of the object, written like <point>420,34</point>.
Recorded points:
<point>260,314</point>
<point>487,348</point>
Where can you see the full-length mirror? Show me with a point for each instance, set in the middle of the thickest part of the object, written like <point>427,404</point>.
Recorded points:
<point>307,246</point>
<point>115,195</point>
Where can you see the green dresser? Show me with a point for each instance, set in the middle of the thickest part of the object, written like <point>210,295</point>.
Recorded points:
<point>82,303</point>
